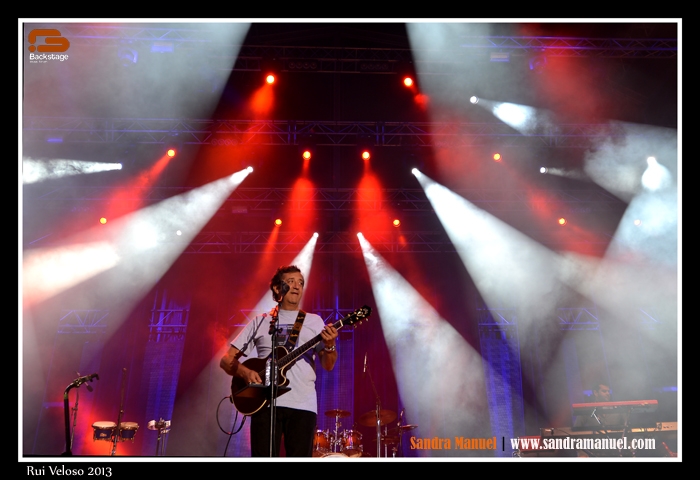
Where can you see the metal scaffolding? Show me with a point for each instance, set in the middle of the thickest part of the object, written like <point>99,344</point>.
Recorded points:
<point>159,131</point>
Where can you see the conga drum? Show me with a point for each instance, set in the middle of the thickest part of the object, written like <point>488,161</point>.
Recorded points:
<point>127,430</point>
<point>103,430</point>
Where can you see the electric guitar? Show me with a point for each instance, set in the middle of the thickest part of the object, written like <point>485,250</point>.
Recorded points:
<point>248,399</point>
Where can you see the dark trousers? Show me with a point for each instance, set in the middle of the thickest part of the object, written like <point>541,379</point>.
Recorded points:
<point>296,426</point>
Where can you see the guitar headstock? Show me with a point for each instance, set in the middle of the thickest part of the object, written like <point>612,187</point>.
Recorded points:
<point>358,316</point>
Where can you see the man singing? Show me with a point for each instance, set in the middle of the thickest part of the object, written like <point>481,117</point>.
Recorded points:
<point>295,415</point>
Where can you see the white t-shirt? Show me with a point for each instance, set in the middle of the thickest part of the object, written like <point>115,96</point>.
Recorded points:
<point>302,373</point>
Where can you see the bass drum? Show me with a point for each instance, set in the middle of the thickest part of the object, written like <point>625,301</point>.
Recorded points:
<point>334,455</point>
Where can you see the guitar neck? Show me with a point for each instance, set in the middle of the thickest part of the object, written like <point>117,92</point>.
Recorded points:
<point>297,352</point>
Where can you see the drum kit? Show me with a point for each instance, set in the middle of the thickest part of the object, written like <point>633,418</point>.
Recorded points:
<point>345,443</point>
<point>348,442</point>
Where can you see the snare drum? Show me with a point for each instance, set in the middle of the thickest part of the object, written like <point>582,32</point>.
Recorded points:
<point>127,430</point>
<point>103,430</point>
<point>321,444</point>
<point>352,443</point>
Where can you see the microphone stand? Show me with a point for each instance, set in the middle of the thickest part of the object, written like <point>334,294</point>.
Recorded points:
<point>274,329</point>
<point>117,431</point>
<point>378,413</point>
<point>75,415</point>
<point>274,326</point>
<point>75,384</point>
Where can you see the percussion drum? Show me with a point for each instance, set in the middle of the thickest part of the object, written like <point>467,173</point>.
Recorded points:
<point>334,455</point>
<point>103,430</point>
<point>321,444</point>
<point>352,443</point>
<point>127,430</point>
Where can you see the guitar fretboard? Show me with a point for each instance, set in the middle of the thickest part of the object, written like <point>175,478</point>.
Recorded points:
<point>297,352</point>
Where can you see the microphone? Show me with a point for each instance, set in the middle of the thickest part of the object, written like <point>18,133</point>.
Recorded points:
<point>87,378</point>
<point>284,288</point>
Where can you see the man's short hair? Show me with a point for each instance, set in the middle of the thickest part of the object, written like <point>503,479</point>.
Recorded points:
<point>277,278</point>
<point>597,383</point>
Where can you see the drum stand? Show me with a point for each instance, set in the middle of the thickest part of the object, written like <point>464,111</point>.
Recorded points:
<point>163,427</point>
<point>336,440</point>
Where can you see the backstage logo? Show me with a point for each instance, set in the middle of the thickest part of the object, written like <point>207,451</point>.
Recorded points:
<point>47,45</point>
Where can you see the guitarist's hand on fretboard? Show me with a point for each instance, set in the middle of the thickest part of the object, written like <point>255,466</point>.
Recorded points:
<point>328,335</point>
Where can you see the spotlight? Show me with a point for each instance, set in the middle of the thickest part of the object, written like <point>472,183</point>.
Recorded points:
<point>543,169</point>
<point>407,74</point>
<point>173,145</point>
<point>497,157</point>
<point>278,222</point>
<point>637,222</point>
<point>500,57</point>
<point>396,222</point>
<point>537,63</point>
<point>562,221</point>
<point>250,169</point>
<point>365,143</point>
<point>103,220</point>
<point>474,99</point>
<point>415,172</point>
<point>307,146</point>
<point>271,68</point>
<point>127,56</point>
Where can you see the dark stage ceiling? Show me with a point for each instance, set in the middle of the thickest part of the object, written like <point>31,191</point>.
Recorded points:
<point>338,86</point>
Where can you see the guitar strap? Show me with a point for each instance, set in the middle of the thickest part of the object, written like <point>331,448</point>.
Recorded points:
<point>294,336</point>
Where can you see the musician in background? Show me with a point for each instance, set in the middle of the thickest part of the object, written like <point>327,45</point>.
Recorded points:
<point>601,392</point>
<point>296,410</point>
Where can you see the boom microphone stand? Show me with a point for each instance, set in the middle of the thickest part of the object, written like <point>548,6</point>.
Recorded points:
<point>75,384</point>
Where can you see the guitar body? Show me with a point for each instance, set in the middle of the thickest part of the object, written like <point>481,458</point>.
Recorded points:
<point>248,399</point>
<point>257,397</point>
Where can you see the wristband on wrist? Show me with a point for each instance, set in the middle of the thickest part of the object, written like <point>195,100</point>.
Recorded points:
<point>330,349</point>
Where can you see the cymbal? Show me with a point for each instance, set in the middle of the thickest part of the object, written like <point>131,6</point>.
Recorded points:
<point>401,429</point>
<point>369,419</point>
<point>337,413</point>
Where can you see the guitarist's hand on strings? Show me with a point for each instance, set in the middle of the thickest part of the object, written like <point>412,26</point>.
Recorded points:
<point>250,376</point>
